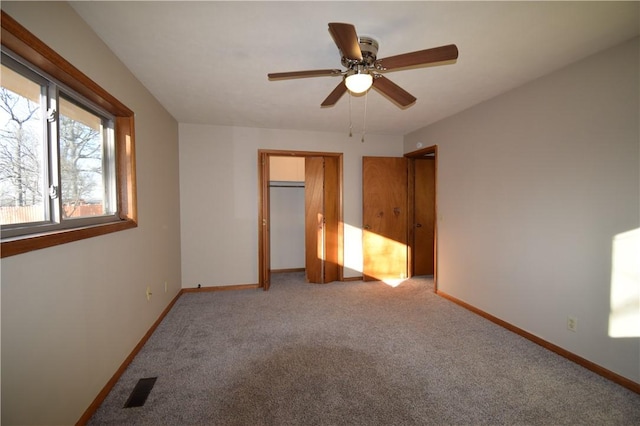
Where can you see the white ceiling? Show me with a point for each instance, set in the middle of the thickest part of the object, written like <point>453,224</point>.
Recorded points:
<point>207,61</point>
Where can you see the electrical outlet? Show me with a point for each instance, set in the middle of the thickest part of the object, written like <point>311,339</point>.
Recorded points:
<point>149,293</point>
<point>572,324</point>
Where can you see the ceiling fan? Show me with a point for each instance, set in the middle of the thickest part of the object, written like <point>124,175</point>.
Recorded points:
<point>363,69</point>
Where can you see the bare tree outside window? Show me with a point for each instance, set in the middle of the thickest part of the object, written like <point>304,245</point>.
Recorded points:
<point>81,161</point>
<point>21,156</point>
<point>23,167</point>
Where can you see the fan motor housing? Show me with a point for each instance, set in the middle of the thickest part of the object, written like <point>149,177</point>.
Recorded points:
<point>369,49</point>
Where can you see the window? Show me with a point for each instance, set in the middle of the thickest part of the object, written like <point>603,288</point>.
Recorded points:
<point>67,167</point>
<point>57,162</point>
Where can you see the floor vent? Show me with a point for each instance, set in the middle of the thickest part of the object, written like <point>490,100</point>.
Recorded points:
<point>140,392</point>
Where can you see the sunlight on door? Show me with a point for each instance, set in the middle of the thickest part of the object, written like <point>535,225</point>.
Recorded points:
<point>624,318</point>
<point>320,237</point>
<point>381,245</point>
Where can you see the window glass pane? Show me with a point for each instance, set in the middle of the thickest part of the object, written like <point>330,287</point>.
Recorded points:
<point>84,181</point>
<point>23,196</point>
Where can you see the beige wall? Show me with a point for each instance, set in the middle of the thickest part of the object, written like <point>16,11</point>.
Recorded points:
<point>220,223</point>
<point>72,313</point>
<point>533,187</point>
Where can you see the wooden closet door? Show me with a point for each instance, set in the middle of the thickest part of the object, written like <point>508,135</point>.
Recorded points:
<point>331,219</point>
<point>322,218</point>
<point>384,217</point>
<point>314,218</point>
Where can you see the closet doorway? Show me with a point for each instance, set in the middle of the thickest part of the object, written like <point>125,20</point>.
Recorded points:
<point>321,182</point>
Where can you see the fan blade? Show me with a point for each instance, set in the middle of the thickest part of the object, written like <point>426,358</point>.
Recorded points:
<point>335,95</point>
<point>346,39</point>
<point>300,74</point>
<point>421,57</point>
<point>392,90</point>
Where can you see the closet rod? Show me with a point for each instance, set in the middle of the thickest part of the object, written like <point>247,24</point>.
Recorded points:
<point>285,184</point>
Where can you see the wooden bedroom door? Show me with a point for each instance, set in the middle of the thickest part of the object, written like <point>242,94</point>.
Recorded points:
<point>321,219</point>
<point>384,218</point>
<point>423,240</point>
<point>424,216</point>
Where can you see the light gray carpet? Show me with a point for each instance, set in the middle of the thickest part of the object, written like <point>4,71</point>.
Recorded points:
<point>353,353</point>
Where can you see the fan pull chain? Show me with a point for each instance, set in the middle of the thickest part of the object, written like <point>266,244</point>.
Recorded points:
<point>364,120</point>
<point>350,122</point>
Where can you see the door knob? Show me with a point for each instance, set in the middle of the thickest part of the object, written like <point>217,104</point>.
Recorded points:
<point>418,225</point>
<point>367,227</point>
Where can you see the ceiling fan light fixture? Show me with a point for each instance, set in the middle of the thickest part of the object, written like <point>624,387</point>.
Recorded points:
<point>359,82</point>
